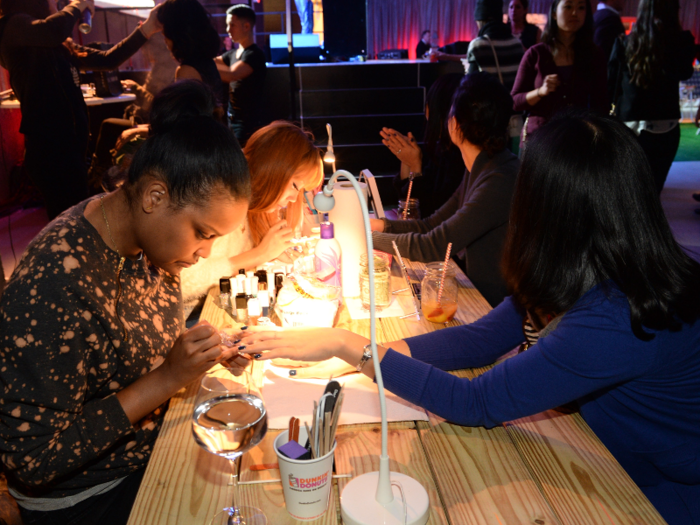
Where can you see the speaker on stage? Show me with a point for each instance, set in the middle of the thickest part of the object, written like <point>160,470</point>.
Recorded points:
<point>345,27</point>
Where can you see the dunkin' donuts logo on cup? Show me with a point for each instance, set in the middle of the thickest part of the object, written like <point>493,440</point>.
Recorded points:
<point>308,483</point>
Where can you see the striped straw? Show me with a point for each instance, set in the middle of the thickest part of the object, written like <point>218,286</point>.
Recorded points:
<point>408,199</point>
<point>444,272</point>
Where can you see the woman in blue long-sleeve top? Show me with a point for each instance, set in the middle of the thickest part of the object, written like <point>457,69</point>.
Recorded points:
<point>593,266</point>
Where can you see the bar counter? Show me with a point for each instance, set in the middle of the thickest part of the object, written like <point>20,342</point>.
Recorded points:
<point>549,468</point>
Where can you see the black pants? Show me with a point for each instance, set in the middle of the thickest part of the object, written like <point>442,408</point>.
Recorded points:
<point>111,508</point>
<point>55,162</point>
<point>660,149</point>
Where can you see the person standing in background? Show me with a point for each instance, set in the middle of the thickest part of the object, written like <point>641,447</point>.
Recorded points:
<point>423,44</point>
<point>495,50</point>
<point>529,34</point>
<point>44,65</point>
<point>245,70</point>
<point>305,9</point>
<point>565,70</point>
<point>607,24</point>
<point>643,76</point>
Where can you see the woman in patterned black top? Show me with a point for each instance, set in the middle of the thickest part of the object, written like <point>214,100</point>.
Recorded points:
<point>93,340</point>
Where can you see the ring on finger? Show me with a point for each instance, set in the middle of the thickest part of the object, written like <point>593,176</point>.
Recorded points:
<point>399,151</point>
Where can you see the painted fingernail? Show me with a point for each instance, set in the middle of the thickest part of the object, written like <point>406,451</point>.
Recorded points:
<point>242,347</point>
<point>236,341</point>
<point>257,356</point>
<point>245,327</point>
<point>292,372</point>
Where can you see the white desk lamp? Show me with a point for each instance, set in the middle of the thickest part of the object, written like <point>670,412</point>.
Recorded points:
<point>361,503</point>
<point>329,156</point>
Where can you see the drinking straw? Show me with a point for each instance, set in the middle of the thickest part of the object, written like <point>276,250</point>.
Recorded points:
<point>444,272</point>
<point>408,199</point>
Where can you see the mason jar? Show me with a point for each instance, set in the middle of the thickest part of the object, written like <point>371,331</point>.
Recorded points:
<point>382,281</point>
<point>413,211</point>
<point>439,307</point>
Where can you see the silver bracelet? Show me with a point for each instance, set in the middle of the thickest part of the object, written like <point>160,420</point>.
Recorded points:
<point>366,356</point>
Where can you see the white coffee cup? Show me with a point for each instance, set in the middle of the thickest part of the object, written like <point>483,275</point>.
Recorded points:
<point>306,484</point>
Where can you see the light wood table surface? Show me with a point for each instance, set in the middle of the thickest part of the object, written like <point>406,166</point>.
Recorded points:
<point>549,468</point>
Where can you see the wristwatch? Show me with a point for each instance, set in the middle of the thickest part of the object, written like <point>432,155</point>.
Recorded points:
<point>366,356</point>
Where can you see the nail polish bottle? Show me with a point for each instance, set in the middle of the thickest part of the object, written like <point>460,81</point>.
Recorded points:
<point>264,298</point>
<point>279,281</point>
<point>241,308</point>
<point>253,311</point>
<point>271,284</point>
<point>248,288</point>
<point>240,284</point>
<point>225,293</point>
<point>254,285</point>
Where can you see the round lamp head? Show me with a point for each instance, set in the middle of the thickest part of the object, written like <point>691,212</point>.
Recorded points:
<point>324,203</point>
<point>329,156</point>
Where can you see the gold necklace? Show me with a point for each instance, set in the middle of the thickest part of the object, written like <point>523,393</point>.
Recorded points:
<point>122,260</point>
<point>109,231</point>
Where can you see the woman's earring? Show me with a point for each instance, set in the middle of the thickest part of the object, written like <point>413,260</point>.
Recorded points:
<point>150,208</point>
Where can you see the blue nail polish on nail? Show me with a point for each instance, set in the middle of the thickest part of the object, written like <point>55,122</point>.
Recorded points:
<point>292,372</point>
<point>244,327</point>
<point>257,356</point>
<point>236,341</point>
<point>242,347</point>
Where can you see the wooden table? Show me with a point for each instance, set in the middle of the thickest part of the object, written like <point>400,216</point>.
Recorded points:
<point>546,469</point>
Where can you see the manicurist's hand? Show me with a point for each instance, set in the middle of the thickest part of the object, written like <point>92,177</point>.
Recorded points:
<point>195,352</point>
<point>276,241</point>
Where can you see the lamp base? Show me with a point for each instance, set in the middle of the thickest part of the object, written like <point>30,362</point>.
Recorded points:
<point>358,505</point>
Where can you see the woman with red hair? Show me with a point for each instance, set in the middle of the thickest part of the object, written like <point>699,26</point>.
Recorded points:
<point>283,163</point>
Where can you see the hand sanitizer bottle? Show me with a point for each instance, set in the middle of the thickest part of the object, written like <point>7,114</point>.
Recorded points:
<point>327,256</point>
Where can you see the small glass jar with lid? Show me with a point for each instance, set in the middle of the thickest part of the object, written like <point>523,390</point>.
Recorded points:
<point>382,281</point>
<point>413,210</point>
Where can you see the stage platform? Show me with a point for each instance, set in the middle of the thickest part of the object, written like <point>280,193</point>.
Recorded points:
<point>357,99</point>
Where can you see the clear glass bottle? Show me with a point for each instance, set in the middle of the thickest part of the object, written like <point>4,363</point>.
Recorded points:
<point>382,281</point>
<point>442,311</point>
<point>413,209</point>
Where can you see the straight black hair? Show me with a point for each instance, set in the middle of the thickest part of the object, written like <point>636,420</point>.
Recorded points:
<point>438,102</point>
<point>195,158</point>
<point>586,211</point>
<point>180,100</point>
<point>188,25</point>
<point>482,109</point>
